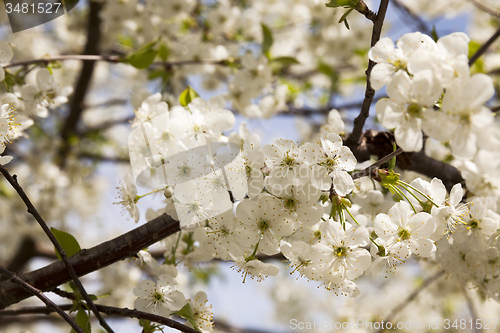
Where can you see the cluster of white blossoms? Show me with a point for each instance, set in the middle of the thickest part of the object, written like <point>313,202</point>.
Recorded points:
<point>431,89</point>
<point>298,200</point>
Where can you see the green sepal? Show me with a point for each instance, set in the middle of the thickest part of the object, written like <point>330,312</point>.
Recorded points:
<point>388,179</point>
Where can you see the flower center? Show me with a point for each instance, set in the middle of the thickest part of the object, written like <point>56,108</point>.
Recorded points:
<point>474,224</point>
<point>248,171</point>
<point>288,162</point>
<point>404,234</point>
<point>185,170</point>
<point>340,251</point>
<point>414,110</point>
<point>263,225</point>
<point>157,298</point>
<point>290,204</point>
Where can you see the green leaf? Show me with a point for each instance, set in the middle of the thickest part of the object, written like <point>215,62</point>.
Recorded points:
<point>68,242</point>
<point>342,3</point>
<point>347,25</point>
<point>187,96</point>
<point>285,61</point>
<point>434,34</point>
<point>82,320</point>
<point>267,40</point>
<point>344,17</point>
<point>163,52</point>
<point>187,313</point>
<point>143,57</point>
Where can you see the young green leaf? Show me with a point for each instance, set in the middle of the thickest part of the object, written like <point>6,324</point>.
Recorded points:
<point>434,34</point>
<point>187,313</point>
<point>68,242</point>
<point>267,39</point>
<point>163,52</point>
<point>342,3</point>
<point>143,57</point>
<point>187,96</point>
<point>285,61</point>
<point>82,320</point>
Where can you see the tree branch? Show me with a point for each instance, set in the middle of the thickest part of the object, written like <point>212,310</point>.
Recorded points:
<point>32,290</point>
<point>421,25</point>
<point>472,310</point>
<point>89,260</point>
<point>359,122</point>
<point>32,210</point>
<point>367,171</point>
<point>77,102</point>
<point>486,8</point>
<point>109,310</point>
<point>412,296</point>
<point>484,47</point>
<point>381,144</point>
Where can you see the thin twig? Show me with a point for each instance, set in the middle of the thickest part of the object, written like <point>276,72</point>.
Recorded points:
<point>412,296</point>
<point>483,48</point>
<point>421,24</point>
<point>472,310</point>
<point>368,170</point>
<point>495,109</point>
<point>359,122</point>
<point>112,59</point>
<point>32,210</point>
<point>109,310</point>
<point>14,278</point>
<point>486,8</point>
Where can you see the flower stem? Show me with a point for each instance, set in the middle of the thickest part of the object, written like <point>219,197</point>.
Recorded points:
<point>142,196</point>
<point>402,183</point>
<point>401,194</point>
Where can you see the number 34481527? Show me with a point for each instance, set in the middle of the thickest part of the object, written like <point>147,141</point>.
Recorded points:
<point>40,8</point>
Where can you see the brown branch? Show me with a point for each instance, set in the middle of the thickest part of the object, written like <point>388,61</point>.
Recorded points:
<point>108,310</point>
<point>421,25</point>
<point>89,260</point>
<point>362,8</point>
<point>486,8</point>
<point>26,250</point>
<point>495,109</point>
<point>47,60</point>
<point>104,158</point>
<point>112,59</point>
<point>32,290</point>
<point>32,210</point>
<point>359,122</point>
<point>381,144</point>
<point>367,171</point>
<point>484,47</point>
<point>412,296</point>
<point>82,86</point>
